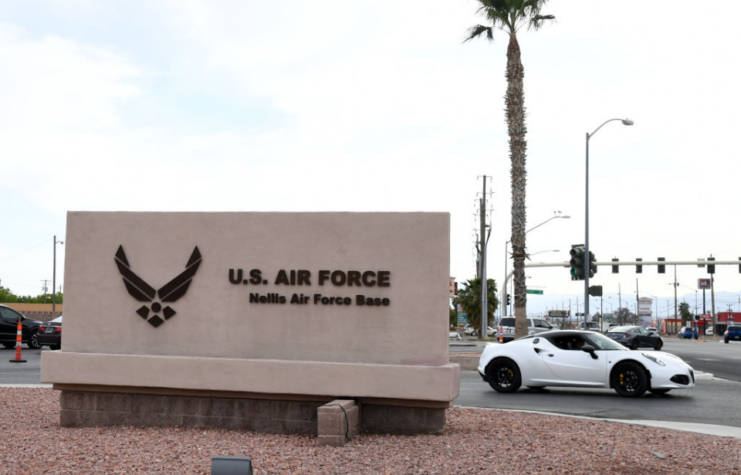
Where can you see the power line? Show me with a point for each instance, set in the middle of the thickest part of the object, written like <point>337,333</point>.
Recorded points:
<point>18,254</point>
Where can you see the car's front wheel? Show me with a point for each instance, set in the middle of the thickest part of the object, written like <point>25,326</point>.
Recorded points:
<point>629,379</point>
<point>634,345</point>
<point>659,344</point>
<point>33,341</point>
<point>12,345</point>
<point>504,375</point>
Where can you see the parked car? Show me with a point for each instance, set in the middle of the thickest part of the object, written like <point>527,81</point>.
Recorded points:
<point>733,333</point>
<point>534,326</point>
<point>634,337</point>
<point>570,358</point>
<point>709,332</point>
<point>50,334</point>
<point>652,329</point>
<point>591,326</point>
<point>9,328</point>
<point>688,332</point>
<point>469,330</point>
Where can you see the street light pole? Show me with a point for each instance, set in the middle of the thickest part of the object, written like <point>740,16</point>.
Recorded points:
<point>587,262</point>
<point>506,259</point>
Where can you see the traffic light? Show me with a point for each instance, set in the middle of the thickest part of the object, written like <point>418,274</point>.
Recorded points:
<point>577,262</point>
<point>595,290</point>
<point>662,267</point>
<point>639,268</point>
<point>616,269</point>
<point>592,264</point>
<point>711,267</point>
<point>508,299</point>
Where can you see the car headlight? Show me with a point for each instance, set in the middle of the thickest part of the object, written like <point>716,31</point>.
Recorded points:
<point>654,359</point>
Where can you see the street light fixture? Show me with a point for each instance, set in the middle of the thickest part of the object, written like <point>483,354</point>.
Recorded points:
<point>586,220</point>
<point>503,296</point>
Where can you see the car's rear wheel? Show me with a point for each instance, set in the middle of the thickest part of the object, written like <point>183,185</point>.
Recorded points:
<point>659,344</point>
<point>504,375</point>
<point>659,392</point>
<point>634,345</point>
<point>33,341</point>
<point>629,379</point>
<point>12,345</point>
<point>725,341</point>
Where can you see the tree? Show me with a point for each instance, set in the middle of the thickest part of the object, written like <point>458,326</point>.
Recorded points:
<point>469,299</point>
<point>6,296</point>
<point>684,311</point>
<point>510,16</point>
<point>624,317</point>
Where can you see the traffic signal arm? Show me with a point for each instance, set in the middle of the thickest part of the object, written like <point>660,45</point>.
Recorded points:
<point>629,263</point>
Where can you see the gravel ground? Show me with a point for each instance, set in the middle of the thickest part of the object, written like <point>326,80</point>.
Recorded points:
<point>476,441</point>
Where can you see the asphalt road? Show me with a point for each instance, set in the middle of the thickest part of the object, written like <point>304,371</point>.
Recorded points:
<point>20,373</point>
<point>709,402</point>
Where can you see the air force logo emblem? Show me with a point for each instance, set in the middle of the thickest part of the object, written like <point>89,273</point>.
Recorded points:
<point>143,292</point>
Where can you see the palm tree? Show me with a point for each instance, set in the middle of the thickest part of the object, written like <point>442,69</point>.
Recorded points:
<point>509,16</point>
<point>469,299</point>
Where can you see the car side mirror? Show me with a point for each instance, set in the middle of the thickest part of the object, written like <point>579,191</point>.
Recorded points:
<point>589,349</point>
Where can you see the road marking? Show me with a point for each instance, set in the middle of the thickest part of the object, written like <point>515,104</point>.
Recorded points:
<point>708,359</point>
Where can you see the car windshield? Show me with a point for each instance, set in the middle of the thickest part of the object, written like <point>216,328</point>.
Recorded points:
<point>601,342</point>
<point>620,329</point>
<point>507,322</point>
<point>58,319</point>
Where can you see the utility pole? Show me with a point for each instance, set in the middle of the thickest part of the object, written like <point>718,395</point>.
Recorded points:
<point>712,302</point>
<point>45,288</point>
<point>638,307</point>
<point>675,293</point>
<point>484,302</point>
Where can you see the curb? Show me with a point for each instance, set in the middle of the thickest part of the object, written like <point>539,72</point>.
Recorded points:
<point>708,429</point>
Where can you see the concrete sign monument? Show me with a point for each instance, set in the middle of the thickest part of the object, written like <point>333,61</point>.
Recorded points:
<point>254,320</point>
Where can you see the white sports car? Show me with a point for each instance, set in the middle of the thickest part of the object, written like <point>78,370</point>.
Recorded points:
<point>571,358</point>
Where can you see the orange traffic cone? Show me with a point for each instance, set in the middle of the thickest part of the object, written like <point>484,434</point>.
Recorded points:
<point>18,342</point>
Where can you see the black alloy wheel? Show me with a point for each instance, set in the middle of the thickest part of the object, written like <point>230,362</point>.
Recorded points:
<point>659,344</point>
<point>33,341</point>
<point>629,379</point>
<point>503,375</point>
<point>634,344</point>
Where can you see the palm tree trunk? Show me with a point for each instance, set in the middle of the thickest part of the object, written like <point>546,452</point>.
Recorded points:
<point>515,101</point>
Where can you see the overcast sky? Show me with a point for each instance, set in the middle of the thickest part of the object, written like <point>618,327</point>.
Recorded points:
<point>377,106</point>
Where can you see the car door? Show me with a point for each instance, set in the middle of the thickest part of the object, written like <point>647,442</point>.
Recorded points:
<point>573,366</point>
<point>8,324</point>
<point>644,339</point>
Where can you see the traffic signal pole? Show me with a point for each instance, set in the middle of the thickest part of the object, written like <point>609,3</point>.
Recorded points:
<point>587,262</point>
